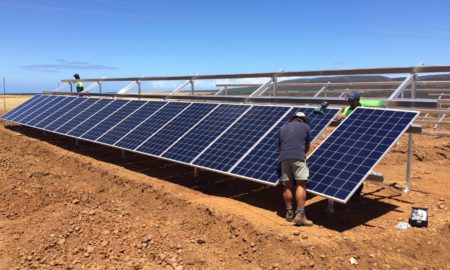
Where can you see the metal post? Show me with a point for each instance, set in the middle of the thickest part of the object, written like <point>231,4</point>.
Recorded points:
<point>77,143</point>
<point>226,90</point>
<point>71,87</point>
<point>123,154</point>
<point>274,86</point>
<point>195,172</point>
<point>4,93</point>
<point>408,164</point>
<point>413,86</point>
<point>330,206</point>
<point>192,86</point>
<point>139,89</point>
<point>99,86</point>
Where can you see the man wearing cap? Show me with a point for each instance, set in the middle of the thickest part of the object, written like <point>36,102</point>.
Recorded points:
<point>80,86</point>
<point>354,101</point>
<point>293,144</point>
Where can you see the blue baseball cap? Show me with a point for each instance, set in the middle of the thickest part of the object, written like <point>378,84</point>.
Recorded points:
<point>353,95</point>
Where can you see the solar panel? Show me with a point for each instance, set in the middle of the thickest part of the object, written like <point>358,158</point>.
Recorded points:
<point>80,106</point>
<point>343,161</point>
<point>232,145</point>
<point>121,109</point>
<point>20,108</point>
<point>38,110</point>
<point>84,115</point>
<point>146,125</point>
<point>30,109</point>
<point>47,119</point>
<point>262,163</point>
<point>192,143</point>
<point>45,111</point>
<point>163,138</point>
<point>98,117</point>
<point>130,122</point>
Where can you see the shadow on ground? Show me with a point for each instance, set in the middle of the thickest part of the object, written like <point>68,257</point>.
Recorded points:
<point>353,214</point>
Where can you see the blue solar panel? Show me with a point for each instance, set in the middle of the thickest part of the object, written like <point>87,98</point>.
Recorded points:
<point>98,117</point>
<point>343,161</point>
<point>47,119</point>
<point>122,108</point>
<point>44,107</point>
<point>262,163</point>
<point>232,145</point>
<point>30,109</point>
<point>175,129</point>
<point>21,107</point>
<point>84,115</point>
<point>191,144</point>
<point>147,124</point>
<point>132,121</point>
<point>50,108</point>
<point>82,105</point>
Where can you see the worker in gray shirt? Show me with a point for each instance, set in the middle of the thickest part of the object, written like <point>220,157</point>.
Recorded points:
<point>293,144</point>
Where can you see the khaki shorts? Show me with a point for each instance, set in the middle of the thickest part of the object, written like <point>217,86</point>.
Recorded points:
<point>294,169</point>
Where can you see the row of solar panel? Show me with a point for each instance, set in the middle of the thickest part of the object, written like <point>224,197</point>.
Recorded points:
<point>234,139</point>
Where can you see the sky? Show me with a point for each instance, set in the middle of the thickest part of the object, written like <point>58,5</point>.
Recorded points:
<point>43,42</point>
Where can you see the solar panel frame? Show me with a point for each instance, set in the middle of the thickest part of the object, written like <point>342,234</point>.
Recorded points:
<point>177,127</point>
<point>258,117</point>
<point>37,117</point>
<point>31,108</point>
<point>336,143</point>
<point>204,133</point>
<point>118,132</point>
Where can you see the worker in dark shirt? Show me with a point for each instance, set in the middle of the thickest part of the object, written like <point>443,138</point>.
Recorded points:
<point>293,144</point>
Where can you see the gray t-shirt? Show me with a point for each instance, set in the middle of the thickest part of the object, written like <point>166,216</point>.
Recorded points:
<point>294,136</point>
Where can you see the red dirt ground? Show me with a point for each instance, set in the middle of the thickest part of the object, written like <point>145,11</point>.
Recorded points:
<point>64,206</point>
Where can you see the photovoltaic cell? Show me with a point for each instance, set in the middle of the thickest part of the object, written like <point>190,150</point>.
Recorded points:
<point>124,109</point>
<point>30,109</point>
<point>188,147</point>
<point>82,105</point>
<point>23,119</point>
<point>230,147</point>
<point>343,161</point>
<point>20,108</point>
<point>54,106</point>
<point>96,118</point>
<point>262,163</point>
<point>84,115</point>
<point>145,129</point>
<point>175,129</point>
<point>134,120</point>
<point>69,103</point>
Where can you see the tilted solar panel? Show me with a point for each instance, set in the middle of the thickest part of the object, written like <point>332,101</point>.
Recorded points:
<point>30,109</point>
<point>163,138</point>
<point>197,139</point>
<point>130,122</point>
<point>21,107</point>
<point>120,110</point>
<point>52,116</point>
<point>262,164</point>
<point>45,111</point>
<point>51,100</point>
<point>343,161</point>
<point>82,116</point>
<point>232,145</point>
<point>93,120</point>
<point>82,105</point>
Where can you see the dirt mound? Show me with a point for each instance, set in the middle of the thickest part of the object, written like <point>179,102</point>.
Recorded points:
<point>84,207</point>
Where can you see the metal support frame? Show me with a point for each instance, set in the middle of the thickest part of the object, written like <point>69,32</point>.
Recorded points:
<point>180,87</point>
<point>260,90</point>
<point>323,89</point>
<point>195,172</point>
<point>441,119</point>
<point>408,80</point>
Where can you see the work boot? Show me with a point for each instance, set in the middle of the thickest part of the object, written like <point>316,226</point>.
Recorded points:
<point>301,220</point>
<point>289,215</point>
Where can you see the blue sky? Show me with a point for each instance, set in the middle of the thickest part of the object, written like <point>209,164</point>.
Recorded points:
<point>45,41</point>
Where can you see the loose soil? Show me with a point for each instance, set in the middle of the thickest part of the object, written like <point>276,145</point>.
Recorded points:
<point>64,206</point>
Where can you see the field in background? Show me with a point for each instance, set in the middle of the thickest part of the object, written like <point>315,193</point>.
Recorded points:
<point>12,101</point>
